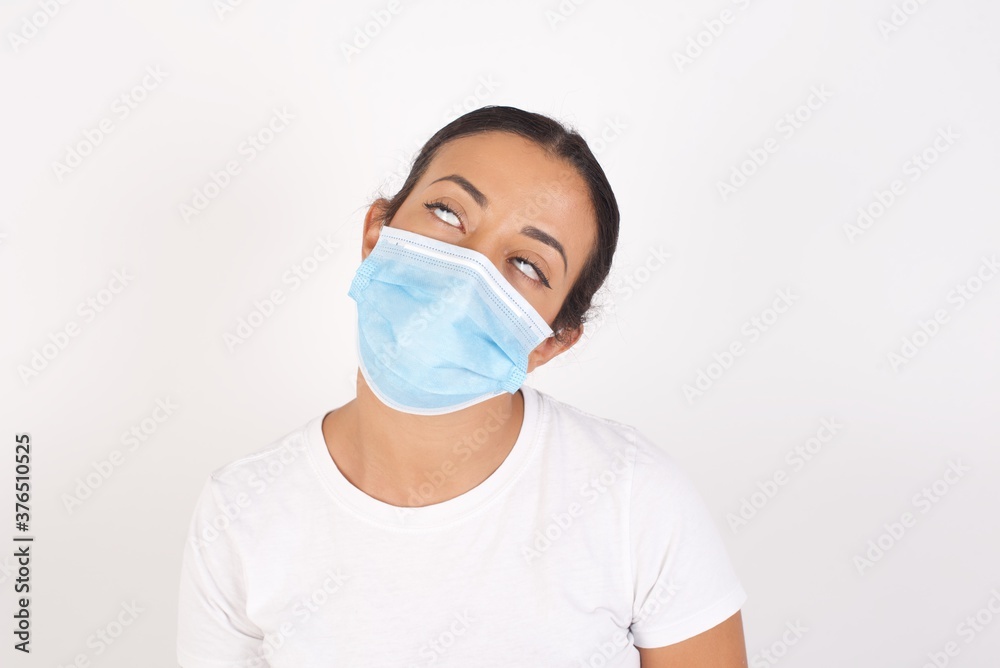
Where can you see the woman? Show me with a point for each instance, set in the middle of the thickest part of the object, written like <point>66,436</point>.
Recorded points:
<point>450,515</point>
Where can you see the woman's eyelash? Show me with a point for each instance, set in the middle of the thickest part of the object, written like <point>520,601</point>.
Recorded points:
<point>544,281</point>
<point>430,206</point>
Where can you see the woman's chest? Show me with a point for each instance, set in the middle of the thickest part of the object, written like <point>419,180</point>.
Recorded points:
<point>447,607</point>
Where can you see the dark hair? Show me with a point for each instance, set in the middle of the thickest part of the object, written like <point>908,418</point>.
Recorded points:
<point>560,142</point>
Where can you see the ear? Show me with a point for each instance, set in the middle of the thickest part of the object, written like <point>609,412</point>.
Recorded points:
<point>552,347</point>
<point>373,225</point>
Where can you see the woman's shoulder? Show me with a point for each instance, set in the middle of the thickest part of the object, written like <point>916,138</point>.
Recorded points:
<point>580,428</point>
<point>279,461</point>
<point>591,426</point>
<point>563,415</point>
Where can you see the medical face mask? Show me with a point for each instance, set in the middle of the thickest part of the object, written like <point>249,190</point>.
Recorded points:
<point>439,327</point>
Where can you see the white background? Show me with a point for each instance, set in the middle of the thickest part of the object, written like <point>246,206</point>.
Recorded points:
<point>667,133</point>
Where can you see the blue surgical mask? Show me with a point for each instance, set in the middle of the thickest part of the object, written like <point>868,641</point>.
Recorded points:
<point>439,327</point>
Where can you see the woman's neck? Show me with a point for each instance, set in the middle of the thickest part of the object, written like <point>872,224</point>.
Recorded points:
<point>417,460</point>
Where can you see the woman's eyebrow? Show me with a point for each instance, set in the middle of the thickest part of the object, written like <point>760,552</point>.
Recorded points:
<point>529,231</point>
<point>468,187</point>
<point>546,238</point>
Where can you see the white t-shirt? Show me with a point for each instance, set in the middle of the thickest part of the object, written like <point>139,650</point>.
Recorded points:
<point>587,540</point>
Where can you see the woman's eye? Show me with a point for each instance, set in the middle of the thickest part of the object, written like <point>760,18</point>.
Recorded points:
<point>443,213</point>
<point>524,264</point>
<point>532,272</point>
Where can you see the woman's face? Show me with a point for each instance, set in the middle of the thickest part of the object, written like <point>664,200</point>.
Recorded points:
<point>503,196</point>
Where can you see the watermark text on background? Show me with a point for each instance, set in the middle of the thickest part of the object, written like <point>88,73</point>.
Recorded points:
<point>249,149</point>
<point>60,339</point>
<point>960,295</point>
<point>796,458</point>
<point>913,168</point>
<point>757,156</point>
<point>752,330</point>
<point>121,108</point>
<point>896,530</point>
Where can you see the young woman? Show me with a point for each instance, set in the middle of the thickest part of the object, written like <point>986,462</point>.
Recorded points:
<point>450,515</point>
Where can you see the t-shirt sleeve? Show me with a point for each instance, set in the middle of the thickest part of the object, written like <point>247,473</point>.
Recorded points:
<point>684,582</point>
<point>212,626</point>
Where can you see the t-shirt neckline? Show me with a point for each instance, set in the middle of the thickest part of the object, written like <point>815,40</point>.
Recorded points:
<point>438,514</point>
